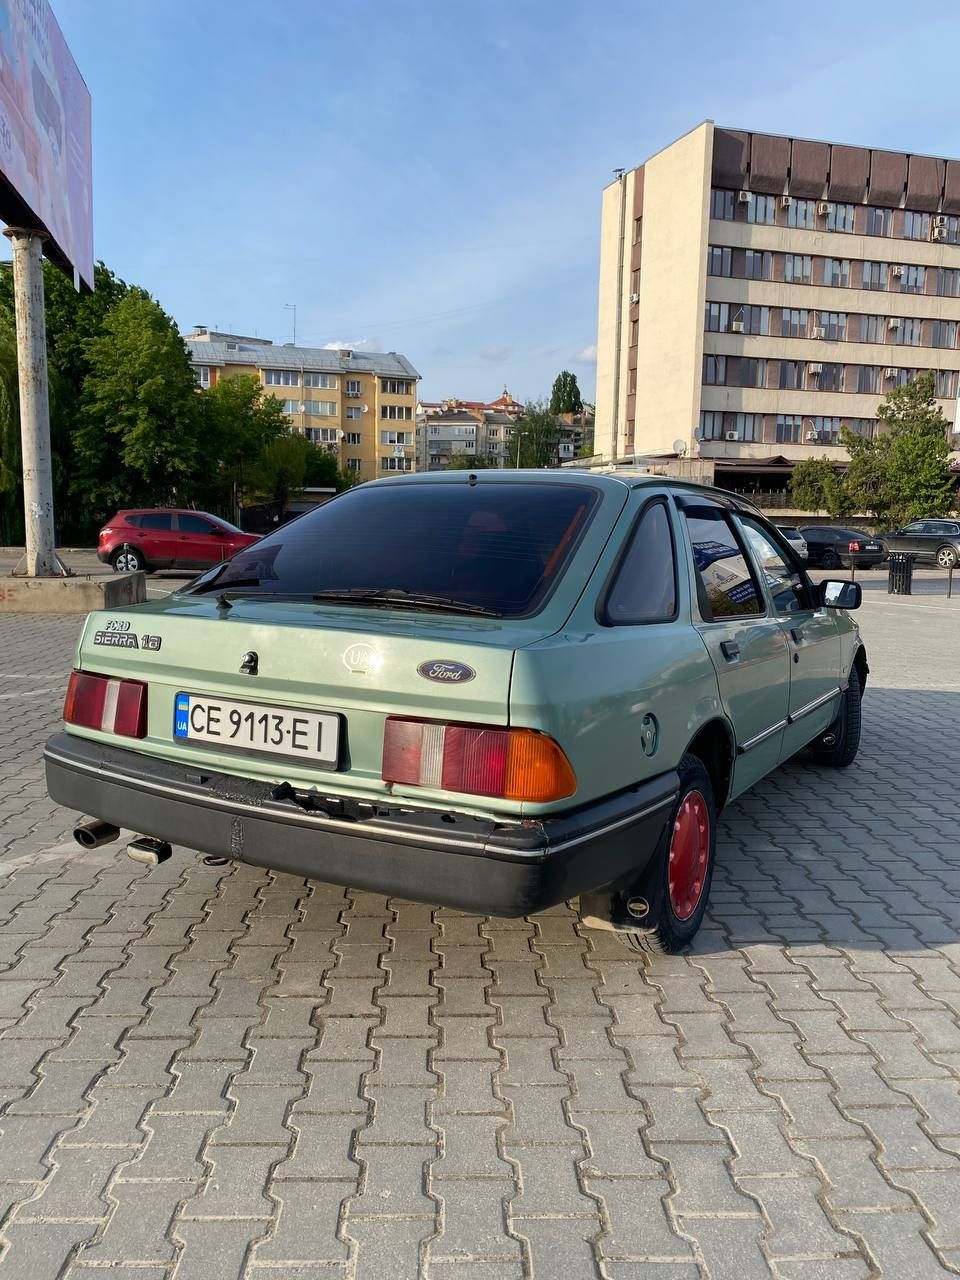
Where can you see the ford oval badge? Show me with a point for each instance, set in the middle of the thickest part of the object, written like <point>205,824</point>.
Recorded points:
<point>446,672</point>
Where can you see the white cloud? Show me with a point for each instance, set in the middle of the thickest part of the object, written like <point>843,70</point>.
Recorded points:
<point>587,356</point>
<point>363,344</point>
<point>496,354</point>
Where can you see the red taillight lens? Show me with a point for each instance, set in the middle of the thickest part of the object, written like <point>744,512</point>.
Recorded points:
<point>514,764</point>
<point>107,704</point>
<point>853,546</point>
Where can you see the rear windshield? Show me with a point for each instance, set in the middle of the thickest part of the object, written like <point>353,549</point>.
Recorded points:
<point>495,545</point>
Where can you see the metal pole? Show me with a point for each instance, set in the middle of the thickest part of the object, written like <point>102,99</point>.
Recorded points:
<point>40,560</point>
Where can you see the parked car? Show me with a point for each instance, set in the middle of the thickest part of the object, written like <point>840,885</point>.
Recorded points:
<point>931,541</point>
<point>496,691</point>
<point>829,547</point>
<point>796,540</point>
<point>161,538</point>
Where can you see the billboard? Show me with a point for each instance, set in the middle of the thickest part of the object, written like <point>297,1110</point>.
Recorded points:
<point>45,144</point>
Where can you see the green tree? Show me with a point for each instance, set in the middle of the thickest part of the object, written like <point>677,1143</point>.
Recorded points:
<point>240,422</point>
<point>279,474</point>
<point>140,435</point>
<point>538,434</point>
<point>470,462</point>
<point>565,396</point>
<point>816,486</point>
<point>903,474</point>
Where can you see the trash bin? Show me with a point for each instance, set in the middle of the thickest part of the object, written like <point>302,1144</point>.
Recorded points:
<point>900,581</point>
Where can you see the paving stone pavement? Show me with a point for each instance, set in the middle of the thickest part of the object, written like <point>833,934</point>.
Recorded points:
<point>225,1073</point>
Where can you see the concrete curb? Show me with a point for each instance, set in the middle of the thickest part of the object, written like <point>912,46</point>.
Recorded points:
<point>71,595</point>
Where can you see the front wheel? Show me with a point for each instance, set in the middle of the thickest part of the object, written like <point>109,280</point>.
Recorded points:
<point>837,747</point>
<point>947,558</point>
<point>127,560</point>
<point>676,885</point>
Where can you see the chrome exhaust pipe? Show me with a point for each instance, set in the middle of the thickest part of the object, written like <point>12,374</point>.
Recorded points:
<point>91,835</point>
<point>148,851</point>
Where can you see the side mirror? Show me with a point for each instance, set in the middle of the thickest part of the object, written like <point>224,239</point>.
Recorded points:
<point>838,594</point>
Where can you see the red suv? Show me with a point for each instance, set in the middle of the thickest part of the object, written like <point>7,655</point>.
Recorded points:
<point>165,539</point>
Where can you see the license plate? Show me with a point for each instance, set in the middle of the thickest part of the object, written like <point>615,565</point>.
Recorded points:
<point>871,546</point>
<point>250,726</point>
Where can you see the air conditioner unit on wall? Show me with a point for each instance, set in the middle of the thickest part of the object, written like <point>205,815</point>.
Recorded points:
<point>811,435</point>
<point>893,323</point>
<point>890,373</point>
<point>730,435</point>
<point>745,197</point>
<point>819,331</point>
<point>940,220</point>
<point>736,326</point>
<point>786,202</point>
<point>938,233</point>
<point>634,298</point>
<point>897,271</point>
<point>815,368</point>
<point>824,207</point>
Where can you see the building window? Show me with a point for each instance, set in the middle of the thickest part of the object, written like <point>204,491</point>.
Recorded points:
<point>791,375</point>
<point>948,282</point>
<point>292,406</point>
<point>834,325</point>
<point>322,381</point>
<point>827,430</point>
<point>879,221</point>
<point>907,333</point>
<point>637,230</point>
<point>396,386</point>
<point>320,408</point>
<point>281,378</point>
<point>903,377</point>
<point>789,428</point>
<point>749,426</point>
<point>631,382</point>
<point>718,261</point>
<point>916,226</point>
<point>634,332</point>
<point>796,267</point>
<point>711,425</point>
<point>396,437</point>
<point>722,205</point>
<point>353,464</point>
<point>323,435</point>
<point>715,370</point>
<point>868,379</point>
<point>873,328</point>
<point>353,386</point>
<point>865,427</point>
<point>749,372</point>
<point>353,412</point>
<point>800,214</point>
<point>830,378</point>
<point>839,217</point>
<point>944,333</point>
<point>716,317</point>
<point>762,210</point>
<point>793,322</point>
<point>202,373</point>
<point>946,383</point>
<point>912,280</point>
<point>874,275</point>
<point>756,320</point>
<point>396,464</point>
<point>396,412</point>
<point>836,272</point>
<point>759,265</point>
<point>635,280</point>
<point>352,437</point>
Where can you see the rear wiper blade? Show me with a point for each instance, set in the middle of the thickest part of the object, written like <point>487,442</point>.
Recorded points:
<point>397,597</point>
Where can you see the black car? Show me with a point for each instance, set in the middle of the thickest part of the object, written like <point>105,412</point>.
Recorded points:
<point>935,541</point>
<point>829,546</point>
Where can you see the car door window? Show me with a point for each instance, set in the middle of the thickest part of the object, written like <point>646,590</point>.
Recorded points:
<point>726,587</point>
<point>644,586</point>
<point>916,527</point>
<point>195,524</point>
<point>784,581</point>
<point>157,521</point>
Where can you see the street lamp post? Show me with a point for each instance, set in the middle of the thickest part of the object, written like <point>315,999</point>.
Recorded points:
<point>520,435</point>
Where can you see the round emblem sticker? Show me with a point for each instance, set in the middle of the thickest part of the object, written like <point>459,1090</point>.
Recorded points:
<point>361,659</point>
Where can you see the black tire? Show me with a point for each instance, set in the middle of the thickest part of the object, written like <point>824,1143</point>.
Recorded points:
<point>946,558</point>
<point>845,730</point>
<point>127,560</point>
<point>668,931</point>
<point>830,559</point>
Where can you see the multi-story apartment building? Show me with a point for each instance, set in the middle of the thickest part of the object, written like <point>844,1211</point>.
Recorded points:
<point>455,432</point>
<point>361,405</point>
<point>759,293</point>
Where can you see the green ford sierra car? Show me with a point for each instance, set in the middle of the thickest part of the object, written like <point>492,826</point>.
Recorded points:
<point>496,691</point>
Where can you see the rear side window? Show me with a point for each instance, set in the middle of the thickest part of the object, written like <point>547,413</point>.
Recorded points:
<point>725,583</point>
<point>157,520</point>
<point>134,520</point>
<point>502,546</point>
<point>644,587</point>
<point>194,524</point>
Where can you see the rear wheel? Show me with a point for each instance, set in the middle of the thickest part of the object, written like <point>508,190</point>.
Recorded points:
<point>127,560</point>
<point>830,559</point>
<point>837,747</point>
<point>947,558</point>
<point>676,885</point>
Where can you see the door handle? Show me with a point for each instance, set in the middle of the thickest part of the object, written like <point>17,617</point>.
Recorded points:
<point>730,649</point>
<point>795,636</point>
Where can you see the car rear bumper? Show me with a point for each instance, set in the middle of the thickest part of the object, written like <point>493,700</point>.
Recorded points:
<point>508,868</point>
<point>103,556</point>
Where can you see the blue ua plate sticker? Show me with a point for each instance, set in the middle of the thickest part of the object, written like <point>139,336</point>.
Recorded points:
<point>181,712</point>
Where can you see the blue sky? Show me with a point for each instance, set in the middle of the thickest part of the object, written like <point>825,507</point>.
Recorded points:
<point>424,175</point>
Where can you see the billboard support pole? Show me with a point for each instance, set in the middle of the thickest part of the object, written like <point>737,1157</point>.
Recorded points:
<point>41,560</point>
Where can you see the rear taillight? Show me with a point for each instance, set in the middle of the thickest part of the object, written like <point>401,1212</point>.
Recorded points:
<point>853,546</point>
<point>107,704</point>
<point>513,764</point>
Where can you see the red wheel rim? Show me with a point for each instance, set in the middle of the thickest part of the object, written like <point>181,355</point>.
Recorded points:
<point>689,855</point>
